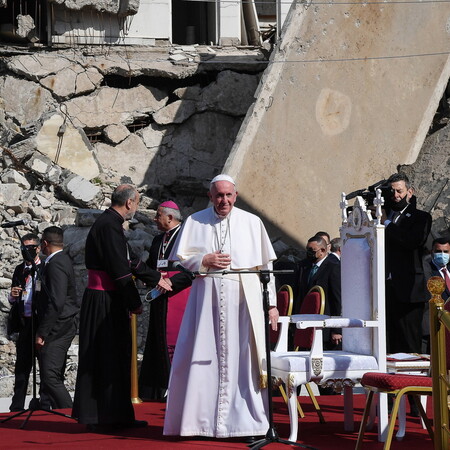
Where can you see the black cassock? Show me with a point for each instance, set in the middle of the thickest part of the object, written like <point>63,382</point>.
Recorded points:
<point>155,368</point>
<point>103,387</point>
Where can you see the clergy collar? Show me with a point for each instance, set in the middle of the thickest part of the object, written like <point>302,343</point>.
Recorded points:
<point>116,213</point>
<point>172,230</point>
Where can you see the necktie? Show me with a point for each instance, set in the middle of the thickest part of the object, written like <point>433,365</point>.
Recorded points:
<point>314,269</point>
<point>446,277</point>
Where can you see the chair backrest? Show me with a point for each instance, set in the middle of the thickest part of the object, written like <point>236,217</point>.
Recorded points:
<point>313,303</point>
<point>285,301</point>
<point>363,279</point>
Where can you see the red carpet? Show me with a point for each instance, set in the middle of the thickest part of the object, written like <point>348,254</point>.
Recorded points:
<point>52,431</point>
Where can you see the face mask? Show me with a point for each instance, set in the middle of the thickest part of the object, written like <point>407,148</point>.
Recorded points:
<point>32,252</point>
<point>441,259</point>
<point>311,255</point>
<point>399,206</point>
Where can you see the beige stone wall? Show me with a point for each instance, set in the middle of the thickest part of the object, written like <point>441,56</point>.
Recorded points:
<point>349,95</point>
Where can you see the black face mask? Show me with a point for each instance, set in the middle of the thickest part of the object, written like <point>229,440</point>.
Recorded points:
<point>32,253</point>
<point>311,255</point>
<point>399,206</point>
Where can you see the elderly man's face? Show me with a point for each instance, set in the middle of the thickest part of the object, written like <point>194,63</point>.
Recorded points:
<point>223,195</point>
<point>163,220</point>
<point>132,206</point>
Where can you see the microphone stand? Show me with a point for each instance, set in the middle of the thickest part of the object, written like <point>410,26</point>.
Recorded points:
<point>264,275</point>
<point>35,404</point>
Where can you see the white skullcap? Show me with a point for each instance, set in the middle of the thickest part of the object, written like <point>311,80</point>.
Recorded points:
<point>222,177</point>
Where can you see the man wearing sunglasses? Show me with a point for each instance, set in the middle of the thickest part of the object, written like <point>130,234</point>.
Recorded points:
<point>57,311</point>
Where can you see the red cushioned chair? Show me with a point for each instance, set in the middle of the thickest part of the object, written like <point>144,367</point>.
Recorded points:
<point>398,385</point>
<point>285,301</point>
<point>313,303</point>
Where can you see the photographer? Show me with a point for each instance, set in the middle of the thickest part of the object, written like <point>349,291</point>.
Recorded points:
<point>21,297</point>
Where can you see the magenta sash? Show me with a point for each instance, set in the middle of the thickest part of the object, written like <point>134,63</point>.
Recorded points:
<point>100,281</point>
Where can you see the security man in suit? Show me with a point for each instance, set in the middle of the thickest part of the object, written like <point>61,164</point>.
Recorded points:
<point>57,317</point>
<point>319,269</point>
<point>23,293</point>
<point>406,232</point>
<point>435,265</point>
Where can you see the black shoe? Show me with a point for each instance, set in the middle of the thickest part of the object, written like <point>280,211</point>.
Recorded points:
<point>133,424</point>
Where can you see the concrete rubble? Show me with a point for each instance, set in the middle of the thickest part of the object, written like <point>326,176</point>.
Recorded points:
<point>76,123</point>
<point>112,6</point>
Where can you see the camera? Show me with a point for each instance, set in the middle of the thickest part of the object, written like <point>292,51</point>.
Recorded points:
<point>370,193</point>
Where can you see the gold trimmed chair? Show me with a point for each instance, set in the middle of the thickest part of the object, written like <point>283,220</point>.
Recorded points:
<point>398,385</point>
<point>362,321</point>
<point>313,303</point>
<point>285,302</point>
<point>402,384</point>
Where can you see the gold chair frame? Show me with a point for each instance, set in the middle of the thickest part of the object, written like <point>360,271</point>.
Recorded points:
<point>439,321</point>
<point>301,413</point>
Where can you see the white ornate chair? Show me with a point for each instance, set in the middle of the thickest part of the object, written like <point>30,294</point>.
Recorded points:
<point>363,343</point>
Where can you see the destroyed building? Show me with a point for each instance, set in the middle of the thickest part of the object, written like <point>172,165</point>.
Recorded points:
<point>298,105</point>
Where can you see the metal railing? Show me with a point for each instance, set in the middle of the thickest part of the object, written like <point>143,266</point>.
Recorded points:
<point>439,322</point>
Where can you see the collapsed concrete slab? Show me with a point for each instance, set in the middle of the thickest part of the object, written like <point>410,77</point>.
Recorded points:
<point>67,146</point>
<point>73,80</point>
<point>25,101</point>
<point>132,169</point>
<point>113,6</point>
<point>108,106</point>
<point>348,95</point>
<point>80,191</point>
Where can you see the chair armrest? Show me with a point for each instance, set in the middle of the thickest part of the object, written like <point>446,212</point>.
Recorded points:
<point>307,317</point>
<point>282,343</point>
<point>335,322</point>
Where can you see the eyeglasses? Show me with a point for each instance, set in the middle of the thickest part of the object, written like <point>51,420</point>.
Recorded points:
<point>31,246</point>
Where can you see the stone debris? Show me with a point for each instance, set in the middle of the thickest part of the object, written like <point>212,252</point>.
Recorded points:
<point>129,7</point>
<point>76,123</point>
<point>115,134</point>
<point>26,28</point>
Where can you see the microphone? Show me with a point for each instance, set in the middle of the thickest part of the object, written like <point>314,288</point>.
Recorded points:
<point>14,224</point>
<point>178,266</point>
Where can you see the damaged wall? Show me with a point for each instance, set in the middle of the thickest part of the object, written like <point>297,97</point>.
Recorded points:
<point>74,124</point>
<point>121,7</point>
<point>350,93</point>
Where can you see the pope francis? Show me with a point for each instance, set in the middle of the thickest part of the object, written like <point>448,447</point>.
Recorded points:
<point>217,386</point>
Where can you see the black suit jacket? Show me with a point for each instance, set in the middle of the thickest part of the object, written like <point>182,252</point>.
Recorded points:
<point>328,277</point>
<point>18,279</point>
<point>57,301</point>
<point>430,270</point>
<point>404,244</point>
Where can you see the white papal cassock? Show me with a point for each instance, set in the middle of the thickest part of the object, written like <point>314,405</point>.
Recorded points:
<point>215,383</point>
